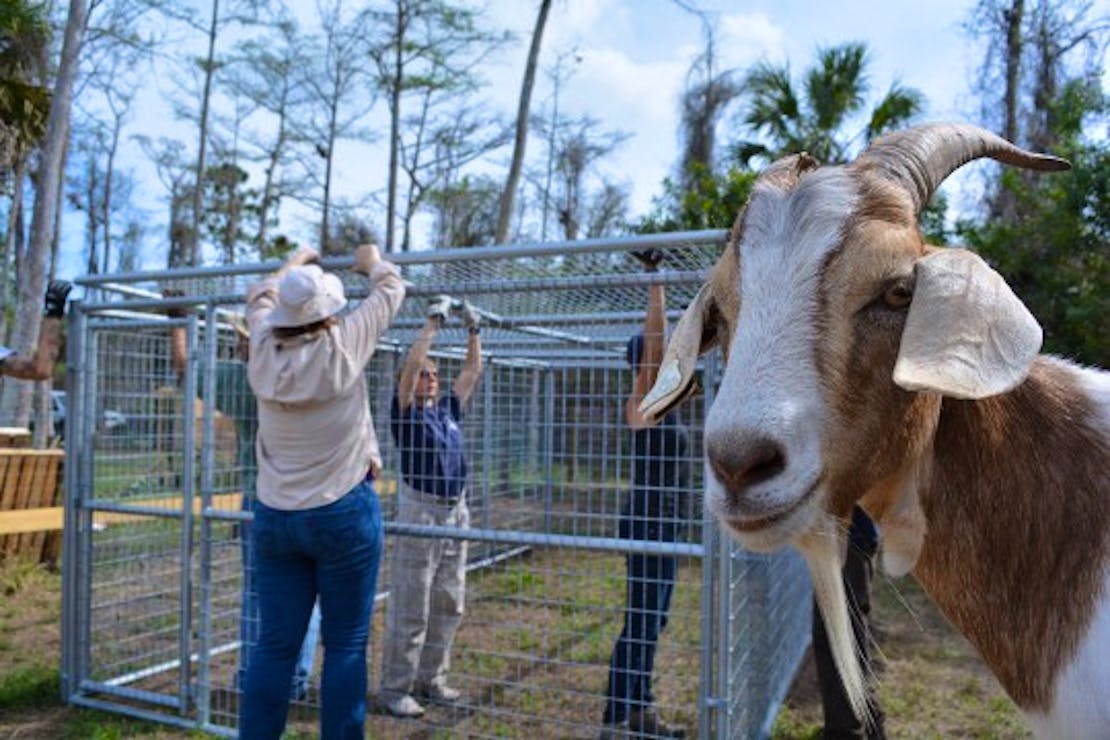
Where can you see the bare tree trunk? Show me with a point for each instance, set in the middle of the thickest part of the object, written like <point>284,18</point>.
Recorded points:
<point>92,225</point>
<point>271,169</point>
<point>13,244</point>
<point>29,317</point>
<point>198,190</point>
<point>328,163</point>
<point>109,170</point>
<point>1013,17</point>
<point>395,121</point>
<point>504,213</point>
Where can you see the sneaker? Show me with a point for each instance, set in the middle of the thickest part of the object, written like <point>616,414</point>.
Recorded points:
<point>439,693</point>
<point>404,707</point>
<point>646,722</point>
<point>614,731</point>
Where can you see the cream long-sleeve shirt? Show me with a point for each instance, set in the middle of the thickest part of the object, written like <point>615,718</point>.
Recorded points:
<point>316,438</point>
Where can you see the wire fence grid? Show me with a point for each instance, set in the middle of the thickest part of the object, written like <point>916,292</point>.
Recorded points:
<point>154,563</point>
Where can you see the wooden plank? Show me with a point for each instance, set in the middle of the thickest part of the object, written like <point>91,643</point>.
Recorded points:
<point>31,520</point>
<point>48,497</point>
<point>51,517</point>
<point>25,477</point>
<point>13,492</point>
<point>51,547</point>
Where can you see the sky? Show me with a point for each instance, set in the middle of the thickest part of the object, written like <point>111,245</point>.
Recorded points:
<point>632,59</point>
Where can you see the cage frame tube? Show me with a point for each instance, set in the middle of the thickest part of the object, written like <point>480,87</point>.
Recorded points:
<point>549,446</point>
<point>468,254</point>
<point>207,481</point>
<point>710,701</point>
<point>82,434</point>
<point>188,492</point>
<point>537,539</point>
<point>487,449</point>
<point>75,519</point>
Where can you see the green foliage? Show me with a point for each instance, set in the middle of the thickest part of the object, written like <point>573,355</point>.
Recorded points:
<point>834,92</point>
<point>711,202</point>
<point>1056,255</point>
<point>24,103</point>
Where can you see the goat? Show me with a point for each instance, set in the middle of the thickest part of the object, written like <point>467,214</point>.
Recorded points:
<point>862,365</point>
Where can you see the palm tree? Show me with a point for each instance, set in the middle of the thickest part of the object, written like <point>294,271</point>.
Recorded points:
<point>833,95</point>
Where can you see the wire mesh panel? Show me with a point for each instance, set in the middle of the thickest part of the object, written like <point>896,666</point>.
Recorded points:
<point>593,589</point>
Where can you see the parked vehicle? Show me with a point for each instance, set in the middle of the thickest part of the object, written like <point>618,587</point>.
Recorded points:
<point>109,420</point>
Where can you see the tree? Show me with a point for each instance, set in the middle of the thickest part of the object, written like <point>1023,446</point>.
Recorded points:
<point>464,209</point>
<point>24,108</point>
<point>271,77</point>
<point>440,148</point>
<point>706,95</point>
<point>1056,255</point>
<point>231,210</point>
<point>580,147</point>
<point>707,201</point>
<point>174,171</point>
<point>334,110</point>
<point>833,93</point>
<point>1050,236</point>
<point>29,313</point>
<point>505,207</point>
<point>429,47</point>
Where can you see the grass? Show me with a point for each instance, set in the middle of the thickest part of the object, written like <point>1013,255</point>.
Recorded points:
<point>931,682</point>
<point>524,617</point>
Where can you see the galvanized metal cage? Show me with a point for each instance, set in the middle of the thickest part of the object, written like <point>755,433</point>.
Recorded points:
<point>152,553</point>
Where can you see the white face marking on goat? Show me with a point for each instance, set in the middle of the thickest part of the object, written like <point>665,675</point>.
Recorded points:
<point>763,434</point>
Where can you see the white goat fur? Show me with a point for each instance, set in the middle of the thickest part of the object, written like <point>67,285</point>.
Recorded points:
<point>864,366</point>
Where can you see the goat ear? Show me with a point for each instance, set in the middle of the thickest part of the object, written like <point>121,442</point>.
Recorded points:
<point>966,335</point>
<point>694,334</point>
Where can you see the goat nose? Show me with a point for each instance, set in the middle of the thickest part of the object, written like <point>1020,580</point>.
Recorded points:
<point>739,467</point>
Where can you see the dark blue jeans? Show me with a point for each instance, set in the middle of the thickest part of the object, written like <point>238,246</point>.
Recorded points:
<point>248,618</point>
<point>331,552</point>
<point>649,585</point>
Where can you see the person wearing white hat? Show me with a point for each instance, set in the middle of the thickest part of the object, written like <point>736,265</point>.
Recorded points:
<point>235,401</point>
<point>317,527</point>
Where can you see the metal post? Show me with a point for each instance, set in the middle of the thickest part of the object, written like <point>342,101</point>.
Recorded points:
<point>77,520</point>
<point>487,447</point>
<point>188,486</point>
<point>82,433</point>
<point>549,442</point>
<point>709,697</point>
<point>207,482</point>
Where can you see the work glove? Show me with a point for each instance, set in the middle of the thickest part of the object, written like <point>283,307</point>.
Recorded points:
<point>175,312</point>
<point>649,258</point>
<point>54,303</point>
<point>471,319</point>
<point>439,307</point>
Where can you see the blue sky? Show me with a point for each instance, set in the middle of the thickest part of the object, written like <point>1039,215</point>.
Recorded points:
<point>634,57</point>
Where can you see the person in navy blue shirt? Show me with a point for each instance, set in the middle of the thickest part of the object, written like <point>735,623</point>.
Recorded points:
<point>428,575</point>
<point>654,511</point>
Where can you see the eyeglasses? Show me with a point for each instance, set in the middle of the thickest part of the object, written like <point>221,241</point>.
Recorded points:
<point>428,374</point>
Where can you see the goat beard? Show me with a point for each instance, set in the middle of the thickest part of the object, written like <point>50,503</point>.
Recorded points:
<point>824,547</point>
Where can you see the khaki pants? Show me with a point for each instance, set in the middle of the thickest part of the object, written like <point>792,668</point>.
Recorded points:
<point>427,587</point>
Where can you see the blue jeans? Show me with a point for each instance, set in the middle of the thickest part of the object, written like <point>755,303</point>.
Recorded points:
<point>649,585</point>
<point>331,552</point>
<point>248,618</point>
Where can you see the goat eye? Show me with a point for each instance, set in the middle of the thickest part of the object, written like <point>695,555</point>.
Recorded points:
<point>897,295</point>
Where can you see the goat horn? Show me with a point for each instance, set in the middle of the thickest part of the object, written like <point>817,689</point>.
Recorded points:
<point>920,158</point>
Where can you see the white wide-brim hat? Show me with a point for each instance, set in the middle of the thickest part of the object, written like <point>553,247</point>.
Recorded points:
<point>306,295</point>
